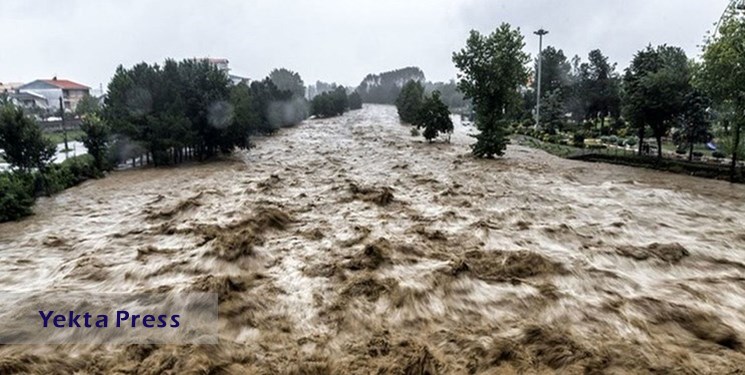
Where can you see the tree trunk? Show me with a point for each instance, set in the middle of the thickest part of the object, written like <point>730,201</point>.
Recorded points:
<point>733,168</point>
<point>690,151</point>
<point>659,147</point>
<point>641,141</point>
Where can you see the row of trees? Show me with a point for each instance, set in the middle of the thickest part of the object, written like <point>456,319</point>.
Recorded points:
<point>335,102</point>
<point>589,91</point>
<point>661,91</point>
<point>190,107</point>
<point>168,112</point>
<point>428,112</point>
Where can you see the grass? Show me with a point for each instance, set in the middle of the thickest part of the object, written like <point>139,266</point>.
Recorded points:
<point>552,148</point>
<point>670,147</point>
<point>59,137</point>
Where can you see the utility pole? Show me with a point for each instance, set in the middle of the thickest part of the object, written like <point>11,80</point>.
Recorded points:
<point>540,34</point>
<point>64,128</point>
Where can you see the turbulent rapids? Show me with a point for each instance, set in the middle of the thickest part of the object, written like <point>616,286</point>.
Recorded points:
<point>348,246</point>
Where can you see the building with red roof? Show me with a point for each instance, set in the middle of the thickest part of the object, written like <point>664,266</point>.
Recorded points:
<point>54,89</point>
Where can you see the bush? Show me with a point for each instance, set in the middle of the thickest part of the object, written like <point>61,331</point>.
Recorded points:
<point>631,141</point>
<point>613,140</point>
<point>698,154</point>
<point>718,155</point>
<point>16,196</point>
<point>71,172</point>
<point>597,147</point>
<point>680,151</point>
<point>415,132</point>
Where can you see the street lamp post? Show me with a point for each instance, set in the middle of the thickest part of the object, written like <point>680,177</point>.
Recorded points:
<point>540,34</point>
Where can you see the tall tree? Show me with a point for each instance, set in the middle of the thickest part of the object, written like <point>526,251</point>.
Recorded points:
<point>355,101</point>
<point>288,80</point>
<point>656,84</point>
<point>87,106</point>
<point>603,88</point>
<point>492,68</point>
<point>693,122</point>
<point>554,72</point>
<point>409,101</point>
<point>25,147</point>
<point>723,78</point>
<point>96,139</point>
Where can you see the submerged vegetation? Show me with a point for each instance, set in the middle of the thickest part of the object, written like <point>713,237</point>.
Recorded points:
<point>166,114</point>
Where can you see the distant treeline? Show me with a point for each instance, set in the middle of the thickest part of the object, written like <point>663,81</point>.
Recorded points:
<point>385,88</point>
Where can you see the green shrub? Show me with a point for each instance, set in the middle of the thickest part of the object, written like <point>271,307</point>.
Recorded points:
<point>58,177</point>
<point>698,154</point>
<point>718,155</point>
<point>597,147</point>
<point>16,196</point>
<point>631,141</point>
<point>415,132</point>
<point>680,151</point>
<point>613,140</point>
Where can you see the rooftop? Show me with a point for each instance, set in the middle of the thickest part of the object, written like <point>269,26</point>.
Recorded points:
<point>65,84</point>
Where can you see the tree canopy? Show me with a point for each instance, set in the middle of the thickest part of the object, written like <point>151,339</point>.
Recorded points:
<point>287,80</point>
<point>20,137</point>
<point>722,77</point>
<point>656,84</point>
<point>409,101</point>
<point>492,68</point>
<point>434,117</point>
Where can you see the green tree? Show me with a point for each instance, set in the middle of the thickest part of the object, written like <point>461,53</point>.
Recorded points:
<point>492,67</point>
<point>96,140</point>
<point>287,80</point>
<point>694,122</point>
<point>355,101</point>
<point>246,118</point>
<point>723,79</point>
<point>87,106</point>
<point>409,101</point>
<point>555,71</point>
<point>603,91</point>
<point>655,85</point>
<point>340,100</point>
<point>552,112</point>
<point>24,145</point>
<point>434,117</point>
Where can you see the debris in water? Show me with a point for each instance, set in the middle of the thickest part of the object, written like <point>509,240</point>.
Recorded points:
<point>671,253</point>
<point>505,265</point>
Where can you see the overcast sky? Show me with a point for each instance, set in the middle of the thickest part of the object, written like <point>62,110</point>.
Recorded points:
<point>329,40</point>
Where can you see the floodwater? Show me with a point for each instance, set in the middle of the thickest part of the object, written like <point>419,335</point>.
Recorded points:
<point>348,246</point>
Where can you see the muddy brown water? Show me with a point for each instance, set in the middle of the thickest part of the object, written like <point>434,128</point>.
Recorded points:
<point>347,246</point>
